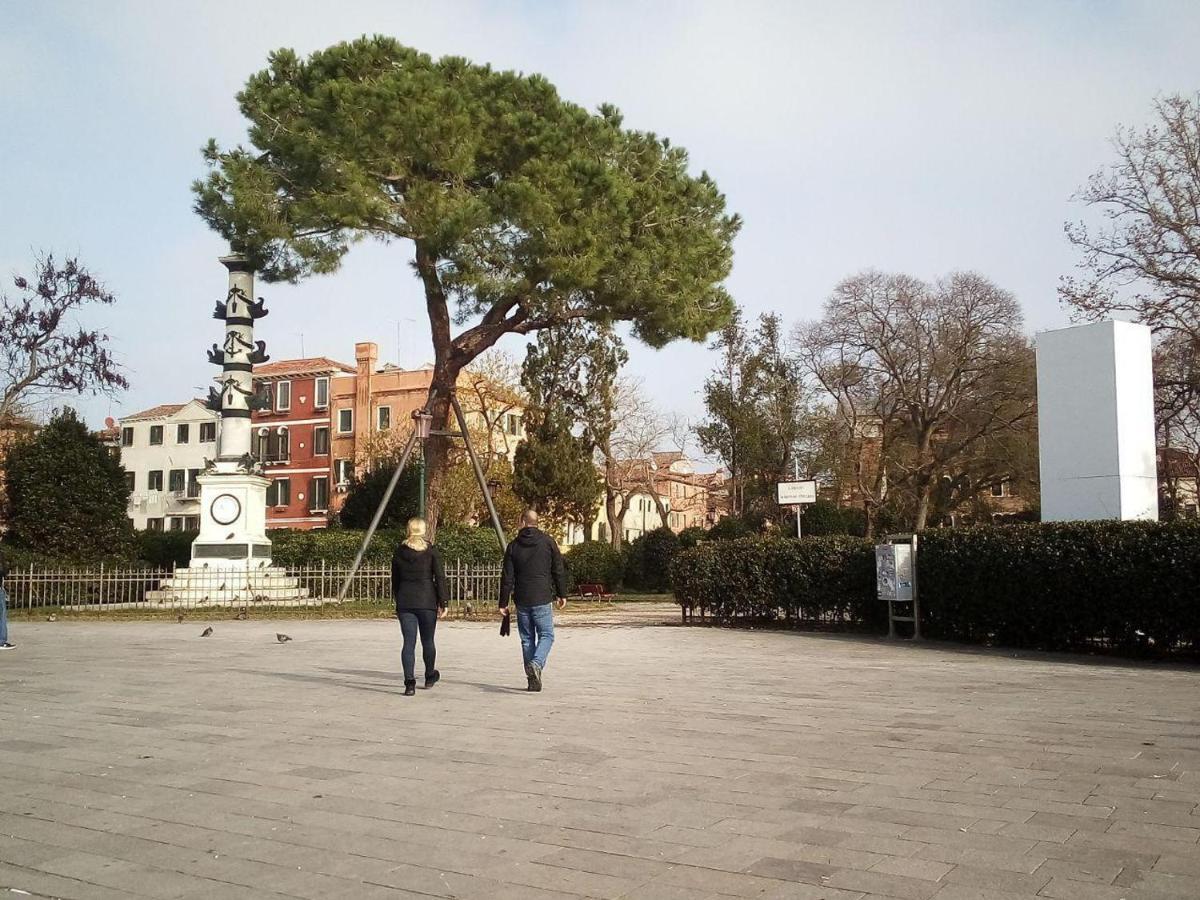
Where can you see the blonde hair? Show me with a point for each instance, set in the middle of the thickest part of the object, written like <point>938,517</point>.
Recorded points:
<point>415,536</point>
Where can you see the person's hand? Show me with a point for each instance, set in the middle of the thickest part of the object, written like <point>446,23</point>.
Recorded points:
<point>442,612</point>
<point>503,611</point>
<point>561,602</point>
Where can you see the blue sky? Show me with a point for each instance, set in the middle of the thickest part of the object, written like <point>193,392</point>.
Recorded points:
<point>918,137</point>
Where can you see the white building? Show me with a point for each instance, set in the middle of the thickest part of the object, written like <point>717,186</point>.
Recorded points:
<point>163,450</point>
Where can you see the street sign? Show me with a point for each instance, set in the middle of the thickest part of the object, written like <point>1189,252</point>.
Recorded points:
<point>793,493</point>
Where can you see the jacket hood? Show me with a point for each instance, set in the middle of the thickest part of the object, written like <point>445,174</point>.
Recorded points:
<point>529,536</point>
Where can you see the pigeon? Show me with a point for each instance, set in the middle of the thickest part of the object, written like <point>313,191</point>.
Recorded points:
<point>206,632</point>
<point>241,615</point>
<point>179,618</point>
<point>51,618</point>
<point>282,638</point>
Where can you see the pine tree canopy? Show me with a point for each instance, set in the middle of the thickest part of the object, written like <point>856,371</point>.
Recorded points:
<point>525,210</point>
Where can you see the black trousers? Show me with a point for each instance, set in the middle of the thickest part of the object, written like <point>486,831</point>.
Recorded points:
<point>413,621</point>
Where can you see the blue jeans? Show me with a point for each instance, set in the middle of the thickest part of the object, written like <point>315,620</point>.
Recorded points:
<point>535,624</point>
<point>3,616</point>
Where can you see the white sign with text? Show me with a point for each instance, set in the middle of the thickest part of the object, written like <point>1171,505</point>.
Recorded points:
<point>794,493</point>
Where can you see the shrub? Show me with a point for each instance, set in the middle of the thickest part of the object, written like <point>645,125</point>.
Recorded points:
<point>829,580</point>
<point>338,546</point>
<point>648,560</point>
<point>690,537</point>
<point>1125,586</point>
<point>66,496</point>
<point>1128,586</point>
<point>163,549</point>
<point>729,528</point>
<point>595,562</point>
<point>823,518</point>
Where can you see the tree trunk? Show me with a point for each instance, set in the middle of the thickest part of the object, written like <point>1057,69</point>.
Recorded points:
<point>610,513</point>
<point>922,515</point>
<point>437,447</point>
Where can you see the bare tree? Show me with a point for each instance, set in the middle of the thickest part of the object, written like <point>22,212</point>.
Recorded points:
<point>1177,407</point>
<point>926,372</point>
<point>1145,258</point>
<point>42,348</point>
<point>631,430</point>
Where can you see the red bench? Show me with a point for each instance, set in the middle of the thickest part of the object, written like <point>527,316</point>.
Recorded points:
<point>597,591</point>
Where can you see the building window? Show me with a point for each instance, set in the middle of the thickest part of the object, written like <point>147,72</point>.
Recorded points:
<point>345,421</point>
<point>127,436</point>
<point>156,435</point>
<point>177,523</point>
<point>175,481</point>
<point>321,440</point>
<point>208,432</point>
<point>191,523</point>
<point>193,486</point>
<point>156,482</point>
<point>274,446</point>
<point>1000,490</point>
<point>321,400</point>
<point>283,396</point>
<point>130,480</point>
<point>384,414</point>
<point>279,493</point>
<point>514,424</point>
<point>154,524</point>
<point>342,470</point>
<point>318,495</point>
<point>181,434</point>
<point>1189,511</point>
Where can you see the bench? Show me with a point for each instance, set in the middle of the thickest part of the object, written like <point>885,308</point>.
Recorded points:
<point>596,591</point>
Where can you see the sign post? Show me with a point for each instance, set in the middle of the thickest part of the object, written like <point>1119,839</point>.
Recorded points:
<point>796,494</point>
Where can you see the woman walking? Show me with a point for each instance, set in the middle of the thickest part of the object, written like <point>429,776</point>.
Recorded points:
<point>419,589</point>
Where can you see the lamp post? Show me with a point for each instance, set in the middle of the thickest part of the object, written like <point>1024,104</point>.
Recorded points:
<point>423,425</point>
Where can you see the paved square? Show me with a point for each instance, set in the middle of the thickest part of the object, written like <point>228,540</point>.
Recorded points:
<point>137,759</point>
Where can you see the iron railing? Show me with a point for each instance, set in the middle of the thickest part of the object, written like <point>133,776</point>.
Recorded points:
<point>102,587</point>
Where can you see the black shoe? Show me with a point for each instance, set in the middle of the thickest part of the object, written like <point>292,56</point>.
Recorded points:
<point>410,688</point>
<point>432,679</point>
<point>8,646</point>
<point>532,684</point>
<point>535,679</point>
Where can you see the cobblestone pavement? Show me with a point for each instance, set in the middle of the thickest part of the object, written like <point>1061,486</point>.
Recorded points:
<point>140,760</point>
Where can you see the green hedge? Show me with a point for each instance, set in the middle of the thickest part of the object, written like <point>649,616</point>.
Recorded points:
<point>1127,586</point>
<point>827,580</point>
<point>337,546</point>
<point>1130,587</point>
<point>595,562</point>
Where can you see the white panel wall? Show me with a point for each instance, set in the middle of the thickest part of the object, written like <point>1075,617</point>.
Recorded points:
<point>1096,423</point>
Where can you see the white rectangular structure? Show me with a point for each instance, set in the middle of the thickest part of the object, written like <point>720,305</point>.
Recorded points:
<point>1095,387</point>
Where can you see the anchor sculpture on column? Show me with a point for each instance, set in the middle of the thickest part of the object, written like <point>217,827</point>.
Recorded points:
<point>232,488</point>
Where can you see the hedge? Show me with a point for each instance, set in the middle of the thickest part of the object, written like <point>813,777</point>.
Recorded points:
<point>595,562</point>
<point>1126,586</point>
<point>337,546</point>
<point>827,580</point>
<point>1130,587</point>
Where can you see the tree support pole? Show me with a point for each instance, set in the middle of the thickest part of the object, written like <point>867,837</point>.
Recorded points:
<point>387,496</point>
<point>487,494</point>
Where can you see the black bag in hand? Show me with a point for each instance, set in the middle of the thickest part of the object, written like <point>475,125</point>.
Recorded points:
<point>505,627</point>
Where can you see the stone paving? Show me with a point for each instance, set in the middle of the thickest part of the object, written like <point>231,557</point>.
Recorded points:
<point>660,763</point>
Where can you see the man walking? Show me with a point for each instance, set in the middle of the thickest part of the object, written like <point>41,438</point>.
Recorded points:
<point>4,644</point>
<point>534,578</point>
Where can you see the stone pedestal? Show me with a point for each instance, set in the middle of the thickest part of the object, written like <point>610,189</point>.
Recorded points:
<point>233,522</point>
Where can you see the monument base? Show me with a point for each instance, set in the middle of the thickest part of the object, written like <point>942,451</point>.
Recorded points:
<point>233,521</point>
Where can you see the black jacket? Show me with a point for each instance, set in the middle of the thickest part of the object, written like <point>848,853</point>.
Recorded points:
<point>534,573</point>
<point>418,578</point>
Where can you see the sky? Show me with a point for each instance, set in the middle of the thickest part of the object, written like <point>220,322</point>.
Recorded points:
<point>922,137</point>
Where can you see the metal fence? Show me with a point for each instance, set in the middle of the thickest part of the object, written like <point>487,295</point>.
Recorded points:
<point>471,585</point>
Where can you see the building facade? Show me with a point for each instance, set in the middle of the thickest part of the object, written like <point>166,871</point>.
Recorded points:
<point>292,437</point>
<point>163,450</point>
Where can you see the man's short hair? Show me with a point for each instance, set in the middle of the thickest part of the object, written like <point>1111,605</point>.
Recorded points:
<point>529,518</point>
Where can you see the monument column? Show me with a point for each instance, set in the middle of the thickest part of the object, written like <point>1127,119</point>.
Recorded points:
<point>233,491</point>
